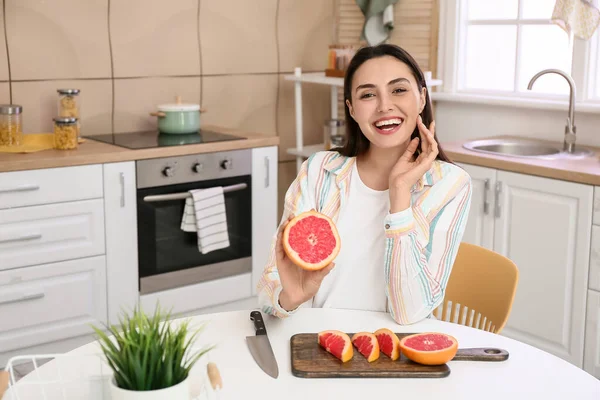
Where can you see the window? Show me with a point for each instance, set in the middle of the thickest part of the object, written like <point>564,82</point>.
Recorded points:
<point>503,43</point>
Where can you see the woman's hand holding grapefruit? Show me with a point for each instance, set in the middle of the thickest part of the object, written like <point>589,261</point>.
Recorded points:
<point>300,280</point>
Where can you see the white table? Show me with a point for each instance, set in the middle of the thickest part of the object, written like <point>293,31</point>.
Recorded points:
<point>529,373</point>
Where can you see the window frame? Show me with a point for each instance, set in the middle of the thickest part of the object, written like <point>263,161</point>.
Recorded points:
<point>592,74</point>
<point>452,48</point>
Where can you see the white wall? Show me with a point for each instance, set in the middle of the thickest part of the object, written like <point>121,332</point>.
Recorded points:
<point>461,121</point>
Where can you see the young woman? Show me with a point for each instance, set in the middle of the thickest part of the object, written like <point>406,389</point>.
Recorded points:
<point>400,206</point>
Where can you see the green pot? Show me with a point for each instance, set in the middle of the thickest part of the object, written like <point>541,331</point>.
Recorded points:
<point>178,119</point>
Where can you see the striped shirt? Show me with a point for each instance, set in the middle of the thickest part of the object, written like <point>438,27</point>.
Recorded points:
<point>421,242</point>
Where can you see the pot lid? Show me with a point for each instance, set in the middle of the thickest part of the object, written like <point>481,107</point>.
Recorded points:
<point>179,106</point>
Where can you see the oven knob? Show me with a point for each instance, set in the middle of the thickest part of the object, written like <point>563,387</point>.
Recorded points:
<point>226,164</point>
<point>168,171</point>
<point>198,167</point>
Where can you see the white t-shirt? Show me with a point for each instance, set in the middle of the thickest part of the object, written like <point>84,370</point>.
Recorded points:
<point>357,281</point>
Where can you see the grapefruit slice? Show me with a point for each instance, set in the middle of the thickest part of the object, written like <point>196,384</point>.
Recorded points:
<point>311,240</point>
<point>336,343</point>
<point>367,345</point>
<point>429,348</point>
<point>389,344</point>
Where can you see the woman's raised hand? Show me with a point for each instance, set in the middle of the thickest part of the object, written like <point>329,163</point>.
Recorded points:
<point>409,170</point>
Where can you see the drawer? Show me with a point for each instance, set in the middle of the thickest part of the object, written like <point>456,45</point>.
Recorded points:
<point>51,185</point>
<point>51,302</point>
<point>50,233</point>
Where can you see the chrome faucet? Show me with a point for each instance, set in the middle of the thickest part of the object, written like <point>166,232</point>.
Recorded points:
<point>570,129</point>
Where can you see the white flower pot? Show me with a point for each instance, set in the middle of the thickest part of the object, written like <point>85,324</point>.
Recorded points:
<point>177,392</point>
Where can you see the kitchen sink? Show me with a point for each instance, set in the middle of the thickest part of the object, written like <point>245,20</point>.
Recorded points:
<point>514,148</point>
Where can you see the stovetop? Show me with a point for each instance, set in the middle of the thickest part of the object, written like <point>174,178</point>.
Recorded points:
<point>151,139</point>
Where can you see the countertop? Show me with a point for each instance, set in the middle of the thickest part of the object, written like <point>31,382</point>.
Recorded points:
<point>585,170</point>
<point>94,152</point>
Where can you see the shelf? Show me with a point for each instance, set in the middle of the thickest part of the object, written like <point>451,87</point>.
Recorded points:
<point>306,151</point>
<point>317,77</point>
<point>320,78</point>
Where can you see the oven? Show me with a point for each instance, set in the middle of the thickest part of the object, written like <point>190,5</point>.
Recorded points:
<point>168,256</point>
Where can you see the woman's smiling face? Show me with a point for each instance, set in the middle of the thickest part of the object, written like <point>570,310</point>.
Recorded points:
<point>386,101</point>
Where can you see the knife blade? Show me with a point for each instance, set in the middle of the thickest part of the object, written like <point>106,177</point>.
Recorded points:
<point>260,347</point>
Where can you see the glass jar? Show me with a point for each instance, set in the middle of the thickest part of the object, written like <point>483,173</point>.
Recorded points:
<point>11,133</point>
<point>69,105</point>
<point>334,133</point>
<point>65,133</point>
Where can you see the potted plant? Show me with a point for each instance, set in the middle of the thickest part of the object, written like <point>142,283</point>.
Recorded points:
<point>150,358</point>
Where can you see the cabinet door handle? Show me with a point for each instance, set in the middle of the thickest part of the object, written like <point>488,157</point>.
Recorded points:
<point>486,203</point>
<point>31,236</point>
<point>497,209</point>
<point>267,174</point>
<point>22,297</point>
<point>122,180</point>
<point>23,188</point>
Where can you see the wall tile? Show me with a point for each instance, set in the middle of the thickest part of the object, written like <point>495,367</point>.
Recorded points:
<point>285,176</point>
<point>315,110</point>
<point>3,55</point>
<point>155,38</point>
<point>238,36</point>
<point>59,39</point>
<point>246,102</point>
<point>305,30</point>
<point>39,104</point>
<point>136,98</point>
<point>4,92</point>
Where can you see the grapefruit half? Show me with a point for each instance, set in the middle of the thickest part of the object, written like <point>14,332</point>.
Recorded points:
<point>389,344</point>
<point>429,348</point>
<point>367,345</point>
<point>311,240</point>
<point>337,343</point>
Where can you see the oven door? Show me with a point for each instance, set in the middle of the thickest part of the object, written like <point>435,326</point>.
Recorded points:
<point>169,257</point>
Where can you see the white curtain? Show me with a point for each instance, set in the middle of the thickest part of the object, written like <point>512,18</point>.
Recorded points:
<point>579,18</point>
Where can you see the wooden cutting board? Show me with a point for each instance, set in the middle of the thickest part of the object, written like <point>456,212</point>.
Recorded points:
<point>310,360</point>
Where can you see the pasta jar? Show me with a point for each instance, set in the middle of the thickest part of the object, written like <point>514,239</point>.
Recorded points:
<point>69,105</point>
<point>11,133</point>
<point>65,133</point>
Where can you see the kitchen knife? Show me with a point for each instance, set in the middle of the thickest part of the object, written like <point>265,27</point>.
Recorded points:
<point>260,348</point>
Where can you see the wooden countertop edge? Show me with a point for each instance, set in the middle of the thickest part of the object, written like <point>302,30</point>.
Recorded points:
<point>94,152</point>
<point>586,171</point>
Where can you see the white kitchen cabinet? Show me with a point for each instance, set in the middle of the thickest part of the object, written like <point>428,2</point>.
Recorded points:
<point>50,185</point>
<point>544,226</point>
<point>51,232</point>
<point>120,210</point>
<point>264,207</point>
<point>594,280</point>
<point>51,302</point>
<point>480,226</point>
<point>591,358</point>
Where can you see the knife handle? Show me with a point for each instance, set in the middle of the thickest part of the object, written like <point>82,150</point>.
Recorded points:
<point>259,324</point>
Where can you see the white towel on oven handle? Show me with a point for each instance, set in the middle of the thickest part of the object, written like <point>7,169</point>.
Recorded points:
<point>205,214</point>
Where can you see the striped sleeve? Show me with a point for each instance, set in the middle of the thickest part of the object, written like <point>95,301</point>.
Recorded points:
<point>421,246</point>
<point>298,198</point>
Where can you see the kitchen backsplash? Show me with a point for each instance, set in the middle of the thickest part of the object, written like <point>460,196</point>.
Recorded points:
<point>127,56</point>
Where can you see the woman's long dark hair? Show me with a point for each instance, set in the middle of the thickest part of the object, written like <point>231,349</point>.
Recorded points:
<point>356,142</point>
